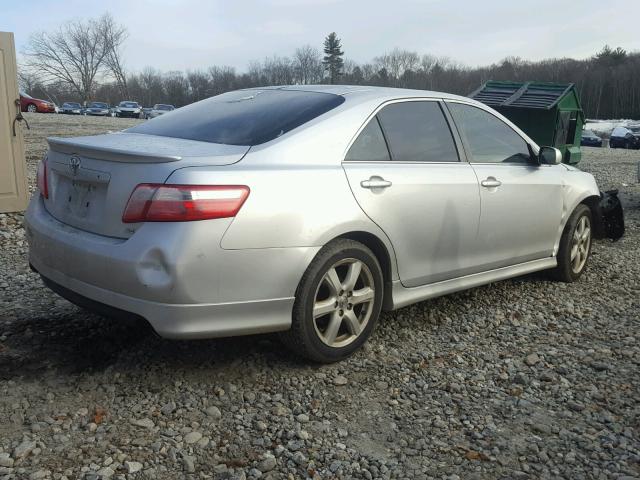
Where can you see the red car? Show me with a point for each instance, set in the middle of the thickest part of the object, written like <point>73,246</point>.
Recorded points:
<point>30,104</point>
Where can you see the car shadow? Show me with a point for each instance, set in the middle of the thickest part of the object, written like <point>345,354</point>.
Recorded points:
<point>77,342</point>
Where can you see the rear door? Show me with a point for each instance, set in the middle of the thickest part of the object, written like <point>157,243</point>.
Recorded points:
<point>406,174</point>
<point>521,201</point>
<point>13,180</point>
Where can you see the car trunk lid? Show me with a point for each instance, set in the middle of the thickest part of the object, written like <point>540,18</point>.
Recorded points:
<point>91,178</point>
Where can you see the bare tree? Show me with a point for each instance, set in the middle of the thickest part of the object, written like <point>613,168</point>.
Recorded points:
<point>307,65</point>
<point>114,36</point>
<point>75,54</point>
<point>222,79</point>
<point>27,80</point>
<point>199,85</point>
<point>397,62</point>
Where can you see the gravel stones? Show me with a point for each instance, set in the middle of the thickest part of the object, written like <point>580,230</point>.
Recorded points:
<point>192,437</point>
<point>143,422</point>
<point>526,378</point>
<point>340,380</point>
<point>214,412</point>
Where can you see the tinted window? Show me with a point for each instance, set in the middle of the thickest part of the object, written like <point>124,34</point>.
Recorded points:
<point>417,132</point>
<point>489,138</point>
<point>243,117</point>
<point>369,145</point>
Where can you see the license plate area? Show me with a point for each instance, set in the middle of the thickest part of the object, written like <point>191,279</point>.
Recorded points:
<point>80,196</point>
<point>77,195</point>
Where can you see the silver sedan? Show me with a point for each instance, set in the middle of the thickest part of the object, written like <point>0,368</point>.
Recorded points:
<point>304,210</point>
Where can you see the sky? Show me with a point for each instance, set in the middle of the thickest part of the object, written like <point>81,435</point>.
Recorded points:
<point>196,34</point>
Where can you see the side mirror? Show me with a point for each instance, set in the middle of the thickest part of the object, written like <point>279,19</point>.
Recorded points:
<point>549,156</point>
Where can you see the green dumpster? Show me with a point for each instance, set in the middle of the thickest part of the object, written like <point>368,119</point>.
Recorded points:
<point>550,113</point>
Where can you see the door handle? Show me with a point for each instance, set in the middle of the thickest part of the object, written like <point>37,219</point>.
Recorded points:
<point>490,182</point>
<point>375,182</point>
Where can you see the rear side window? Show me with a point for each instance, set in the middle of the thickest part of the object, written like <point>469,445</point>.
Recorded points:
<point>243,117</point>
<point>417,132</point>
<point>370,145</point>
<point>489,138</point>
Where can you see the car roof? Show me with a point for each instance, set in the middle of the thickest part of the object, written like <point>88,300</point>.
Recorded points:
<point>363,93</point>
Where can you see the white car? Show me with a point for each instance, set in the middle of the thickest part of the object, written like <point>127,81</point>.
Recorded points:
<point>305,210</point>
<point>128,109</point>
<point>160,109</point>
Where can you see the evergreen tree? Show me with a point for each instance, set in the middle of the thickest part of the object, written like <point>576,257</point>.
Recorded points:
<point>332,60</point>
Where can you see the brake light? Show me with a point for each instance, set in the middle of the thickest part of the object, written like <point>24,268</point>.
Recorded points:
<point>183,203</point>
<point>41,178</point>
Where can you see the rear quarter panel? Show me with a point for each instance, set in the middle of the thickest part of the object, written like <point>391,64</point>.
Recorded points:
<point>300,196</point>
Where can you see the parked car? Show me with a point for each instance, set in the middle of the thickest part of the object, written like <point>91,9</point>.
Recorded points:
<point>622,137</point>
<point>146,112</point>
<point>30,104</point>
<point>304,210</point>
<point>98,109</point>
<point>590,139</point>
<point>72,108</point>
<point>160,109</point>
<point>128,109</point>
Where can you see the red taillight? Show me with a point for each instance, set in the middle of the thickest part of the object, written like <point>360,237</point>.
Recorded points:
<point>183,203</point>
<point>41,178</point>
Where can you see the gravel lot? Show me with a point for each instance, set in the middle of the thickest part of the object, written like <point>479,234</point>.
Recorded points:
<point>522,379</point>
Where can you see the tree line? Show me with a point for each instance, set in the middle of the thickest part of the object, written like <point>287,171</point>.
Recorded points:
<point>83,61</point>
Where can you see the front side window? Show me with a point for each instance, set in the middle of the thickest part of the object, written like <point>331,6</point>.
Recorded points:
<point>370,145</point>
<point>417,132</point>
<point>489,139</point>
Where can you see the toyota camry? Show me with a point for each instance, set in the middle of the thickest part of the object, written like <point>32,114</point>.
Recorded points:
<point>304,210</point>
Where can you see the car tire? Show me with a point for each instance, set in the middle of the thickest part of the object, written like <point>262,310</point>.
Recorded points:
<point>328,325</point>
<point>575,246</point>
<point>32,108</point>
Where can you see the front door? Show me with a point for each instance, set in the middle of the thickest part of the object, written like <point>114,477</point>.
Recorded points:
<point>13,183</point>
<point>521,201</point>
<point>406,174</point>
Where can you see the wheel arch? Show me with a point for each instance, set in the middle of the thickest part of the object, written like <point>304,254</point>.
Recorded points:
<point>593,202</point>
<point>384,256</point>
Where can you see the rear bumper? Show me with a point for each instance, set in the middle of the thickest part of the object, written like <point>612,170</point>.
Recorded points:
<point>176,321</point>
<point>174,275</point>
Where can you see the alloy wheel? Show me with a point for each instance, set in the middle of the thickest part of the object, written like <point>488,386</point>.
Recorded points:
<point>343,302</point>
<point>580,243</point>
<point>32,108</point>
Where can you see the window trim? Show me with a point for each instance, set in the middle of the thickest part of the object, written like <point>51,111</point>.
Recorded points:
<point>533,147</point>
<point>462,158</point>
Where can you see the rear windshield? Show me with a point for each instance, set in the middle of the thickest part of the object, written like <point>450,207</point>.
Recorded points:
<point>243,117</point>
<point>619,132</point>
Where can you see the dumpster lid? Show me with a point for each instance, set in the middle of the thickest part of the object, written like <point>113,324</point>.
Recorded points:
<point>521,94</point>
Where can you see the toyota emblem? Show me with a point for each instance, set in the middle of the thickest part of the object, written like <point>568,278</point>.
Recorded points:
<point>74,165</point>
